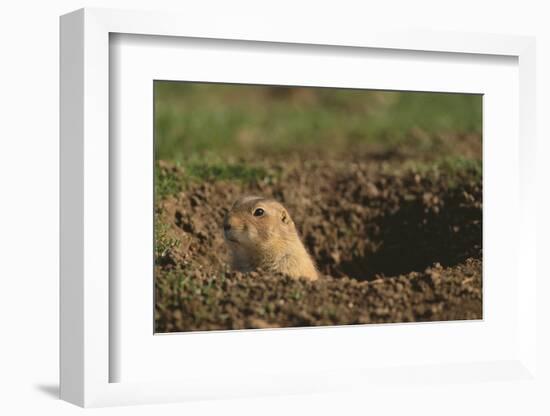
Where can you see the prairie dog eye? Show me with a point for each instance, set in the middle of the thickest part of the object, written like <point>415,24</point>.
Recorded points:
<point>258,212</point>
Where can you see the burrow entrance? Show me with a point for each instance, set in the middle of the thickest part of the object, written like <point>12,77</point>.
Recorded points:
<point>409,235</point>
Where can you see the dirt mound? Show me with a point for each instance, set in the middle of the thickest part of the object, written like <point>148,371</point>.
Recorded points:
<point>255,300</point>
<point>395,245</point>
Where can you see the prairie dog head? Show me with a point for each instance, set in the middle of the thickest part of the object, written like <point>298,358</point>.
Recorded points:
<point>260,234</point>
<point>256,223</point>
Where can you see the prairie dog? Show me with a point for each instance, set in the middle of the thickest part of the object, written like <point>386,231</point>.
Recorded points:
<point>261,234</point>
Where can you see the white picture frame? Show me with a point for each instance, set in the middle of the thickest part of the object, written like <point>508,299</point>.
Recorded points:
<point>87,302</point>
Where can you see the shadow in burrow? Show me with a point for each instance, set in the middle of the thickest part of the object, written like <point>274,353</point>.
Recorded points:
<point>414,238</point>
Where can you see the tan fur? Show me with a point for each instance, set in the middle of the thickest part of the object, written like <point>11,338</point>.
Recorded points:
<point>269,241</point>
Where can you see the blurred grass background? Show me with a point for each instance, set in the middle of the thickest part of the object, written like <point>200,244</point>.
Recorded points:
<point>230,131</point>
<point>207,121</point>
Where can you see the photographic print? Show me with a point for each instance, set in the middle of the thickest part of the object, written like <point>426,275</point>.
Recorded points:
<point>282,206</point>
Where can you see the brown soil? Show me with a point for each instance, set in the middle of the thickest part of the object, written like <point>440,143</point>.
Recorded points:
<point>394,245</point>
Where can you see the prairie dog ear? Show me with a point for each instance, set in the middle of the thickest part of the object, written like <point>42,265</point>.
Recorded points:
<point>285,218</point>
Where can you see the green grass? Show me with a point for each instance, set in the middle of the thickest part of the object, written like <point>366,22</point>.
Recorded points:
<point>225,171</point>
<point>173,180</point>
<point>163,243</point>
<point>167,182</point>
<point>196,120</point>
<point>456,169</point>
